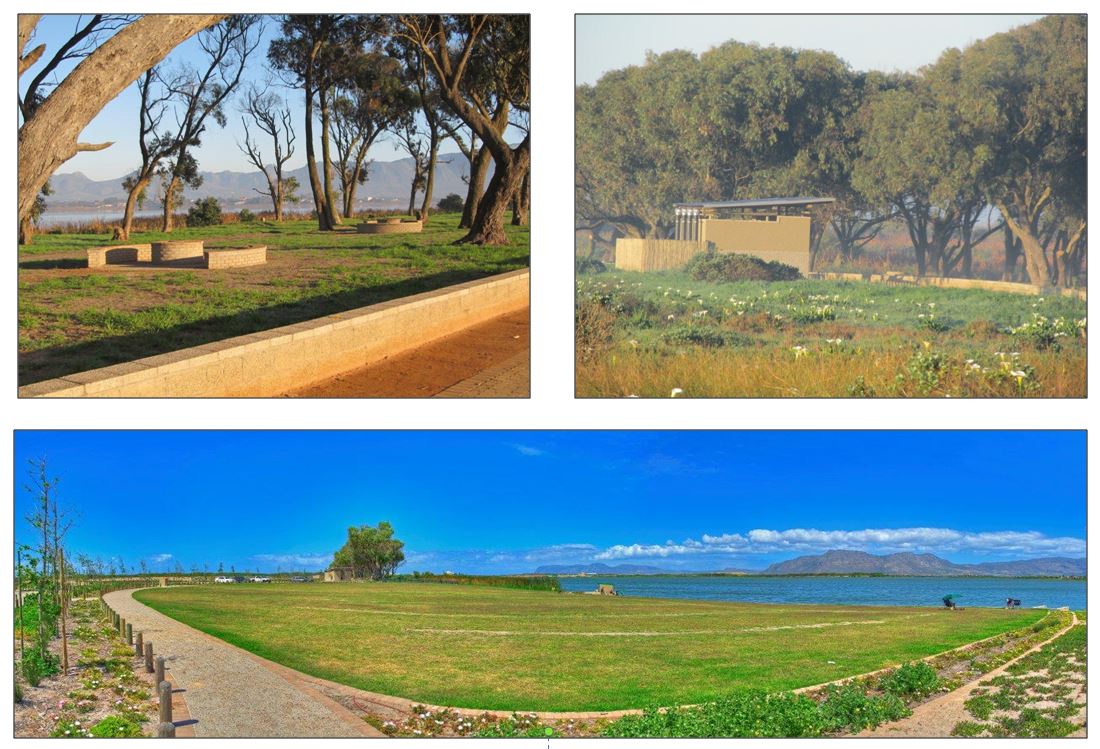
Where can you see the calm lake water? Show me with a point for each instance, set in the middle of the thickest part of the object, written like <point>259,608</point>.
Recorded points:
<point>865,591</point>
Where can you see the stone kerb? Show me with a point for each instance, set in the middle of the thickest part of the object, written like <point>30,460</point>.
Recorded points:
<point>166,252</point>
<point>390,226</point>
<point>117,254</point>
<point>235,257</point>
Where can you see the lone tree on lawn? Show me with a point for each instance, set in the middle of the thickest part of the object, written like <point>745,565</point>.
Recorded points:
<point>371,552</point>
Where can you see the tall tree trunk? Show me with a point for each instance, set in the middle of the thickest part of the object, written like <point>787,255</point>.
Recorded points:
<point>1035,259</point>
<point>26,230</point>
<point>1012,256</point>
<point>49,138</point>
<point>412,192</point>
<point>311,162</point>
<point>131,206</point>
<point>521,201</point>
<point>169,203</point>
<point>488,226</point>
<point>429,179</point>
<point>477,182</point>
<point>326,161</point>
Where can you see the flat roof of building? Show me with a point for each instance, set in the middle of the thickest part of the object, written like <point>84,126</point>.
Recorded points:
<point>755,203</point>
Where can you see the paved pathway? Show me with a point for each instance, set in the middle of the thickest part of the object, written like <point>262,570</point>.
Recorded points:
<point>509,379</point>
<point>230,692</point>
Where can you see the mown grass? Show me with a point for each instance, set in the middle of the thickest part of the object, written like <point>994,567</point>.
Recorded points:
<point>480,647</point>
<point>72,318</point>
<point>648,334</point>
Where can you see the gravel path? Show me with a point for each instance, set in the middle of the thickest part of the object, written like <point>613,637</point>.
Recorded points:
<point>230,692</point>
<point>937,718</point>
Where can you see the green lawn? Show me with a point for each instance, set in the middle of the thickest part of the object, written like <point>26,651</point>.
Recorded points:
<point>646,333</point>
<point>475,647</point>
<point>72,318</point>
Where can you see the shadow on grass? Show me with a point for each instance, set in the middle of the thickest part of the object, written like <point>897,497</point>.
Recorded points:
<point>57,264</point>
<point>45,364</point>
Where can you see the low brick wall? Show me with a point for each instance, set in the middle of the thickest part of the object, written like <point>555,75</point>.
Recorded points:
<point>390,227</point>
<point>166,252</point>
<point>120,253</point>
<point>272,362</point>
<point>1008,287</point>
<point>235,258</point>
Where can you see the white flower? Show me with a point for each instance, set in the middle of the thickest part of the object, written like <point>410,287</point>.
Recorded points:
<point>675,392</point>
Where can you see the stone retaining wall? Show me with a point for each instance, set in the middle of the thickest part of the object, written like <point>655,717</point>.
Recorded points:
<point>235,257</point>
<point>166,252</point>
<point>272,362</point>
<point>390,227</point>
<point>115,254</point>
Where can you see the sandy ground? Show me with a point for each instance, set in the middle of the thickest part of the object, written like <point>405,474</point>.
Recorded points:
<point>231,693</point>
<point>490,360</point>
<point>939,716</point>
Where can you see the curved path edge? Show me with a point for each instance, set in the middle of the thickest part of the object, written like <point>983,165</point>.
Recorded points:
<point>948,708</point>
<point>230,692</point>
<point>390,707</point>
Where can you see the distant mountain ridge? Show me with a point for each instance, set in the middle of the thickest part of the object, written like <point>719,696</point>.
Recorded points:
<point>846,561</point>
<point>386,180</point>
<point>851,562</point>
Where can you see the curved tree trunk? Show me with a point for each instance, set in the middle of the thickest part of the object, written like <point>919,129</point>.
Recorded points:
<point>429,179</point>
<point>49,138</point>
<point>521,201</point>
<point>169,203</point>
<point>131,206</point>
<point>473,193</point>
<point>488,226</point>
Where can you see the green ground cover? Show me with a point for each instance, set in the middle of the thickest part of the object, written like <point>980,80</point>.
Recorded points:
<point>481,647</point>
<point>645,334</point>
<point>72,318</point>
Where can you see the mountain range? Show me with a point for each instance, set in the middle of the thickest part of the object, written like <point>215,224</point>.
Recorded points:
<point>849,562</point>
<point>387,181</point>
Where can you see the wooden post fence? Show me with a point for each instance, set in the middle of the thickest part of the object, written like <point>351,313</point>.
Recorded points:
<point>164,693</point>
<point>139,645</point>
<point>158,671</point>
<point>129,634</point>
<point>148,657</point>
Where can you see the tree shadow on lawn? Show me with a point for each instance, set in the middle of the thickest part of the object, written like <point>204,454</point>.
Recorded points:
<point>45,364</point>
<point>64,263</point>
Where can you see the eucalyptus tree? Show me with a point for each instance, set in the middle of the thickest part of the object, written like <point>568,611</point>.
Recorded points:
<point>371,101</point>
<point>48,137</point>
<point>202,94</point>
<point>456,51</point>
<point>271,116</point>
<point>314,54</point>
<point>1026,99</point>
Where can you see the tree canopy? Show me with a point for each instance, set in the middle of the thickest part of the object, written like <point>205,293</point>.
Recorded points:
<point>371,552</point>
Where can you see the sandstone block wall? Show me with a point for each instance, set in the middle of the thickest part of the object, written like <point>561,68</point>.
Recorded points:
<point>271,362</point>
<point>235,258</point>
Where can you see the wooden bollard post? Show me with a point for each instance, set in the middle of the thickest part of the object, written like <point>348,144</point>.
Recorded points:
<point>164,692</point>
<point>129,634</point>
<point>139,646</point>
<point>166,731</point>
<point>148,657</point>
<point>158,670</point>
<point>121,626</point>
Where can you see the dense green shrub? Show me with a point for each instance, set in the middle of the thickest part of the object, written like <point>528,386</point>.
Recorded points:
<point>728,266</point>
<point>38,664</point>
<point>522,582</point>
<point>912,680</point>
<point>246,216</point>
<point>453,203</point>
<point>115,726</point>
<point>590,265</point>
<point>205,212</point>
<point>744,714</point>
<point>850,709</point>
<point>695,335</point>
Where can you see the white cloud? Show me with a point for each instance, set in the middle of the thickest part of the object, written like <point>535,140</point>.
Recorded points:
<point>160,558</point>
<point>529,451</point>
<point>881,540</point>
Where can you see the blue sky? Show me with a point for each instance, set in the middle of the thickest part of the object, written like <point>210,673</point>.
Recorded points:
<point>118,121</point>
<point>866,42</point>
<point>495,501</point>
